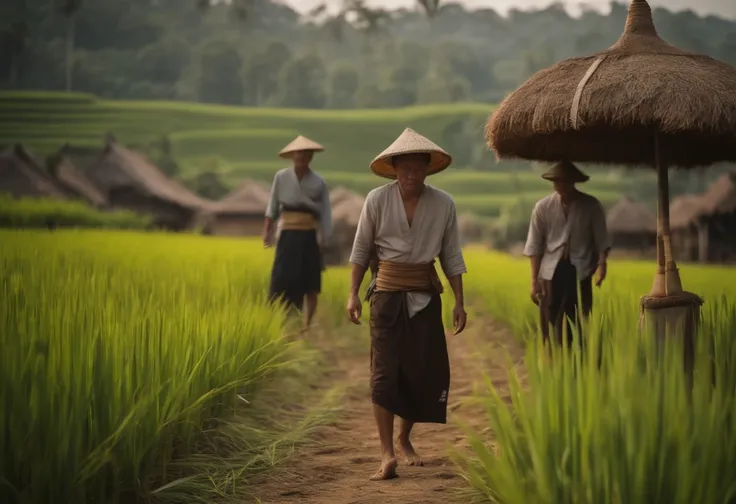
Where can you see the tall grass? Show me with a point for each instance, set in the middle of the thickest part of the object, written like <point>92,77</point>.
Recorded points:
<point>37,213</point>
<point>617,422</point>
<point>120,350</point>
<point>500,284</point>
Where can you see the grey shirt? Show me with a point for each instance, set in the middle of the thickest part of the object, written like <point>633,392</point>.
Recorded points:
<point>310,193</point>
<point>583,232</point>
<point>433,233</point>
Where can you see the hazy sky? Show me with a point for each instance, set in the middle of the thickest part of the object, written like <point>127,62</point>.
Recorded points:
<point>724,8</point>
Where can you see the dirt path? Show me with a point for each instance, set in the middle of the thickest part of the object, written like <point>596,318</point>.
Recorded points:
<point>337,468</point>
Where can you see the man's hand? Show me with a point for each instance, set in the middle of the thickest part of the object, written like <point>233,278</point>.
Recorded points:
<point>266,240</point>
<point>538,291</point>
<point>601,273</point>
<point>354,308</point>
<point>459,318</point>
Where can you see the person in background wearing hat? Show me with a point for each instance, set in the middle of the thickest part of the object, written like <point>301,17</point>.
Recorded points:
<point>407,224</point>
<point>567,242</point>
<point>300,197</point>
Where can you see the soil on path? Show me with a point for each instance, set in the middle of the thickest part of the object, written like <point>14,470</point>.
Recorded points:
<point>337,468</point>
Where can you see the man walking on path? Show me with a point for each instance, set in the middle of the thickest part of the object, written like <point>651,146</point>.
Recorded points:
<point>567,242</point>
<point>407,224</point>
<point>300,197</point>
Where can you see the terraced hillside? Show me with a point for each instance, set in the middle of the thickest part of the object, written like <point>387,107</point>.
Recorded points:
<point>241,142</point>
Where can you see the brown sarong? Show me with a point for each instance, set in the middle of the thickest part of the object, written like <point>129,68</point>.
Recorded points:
<point>561,303</point>
<point>410,368</point>
<point>298,221</point>
<point>406,277</point>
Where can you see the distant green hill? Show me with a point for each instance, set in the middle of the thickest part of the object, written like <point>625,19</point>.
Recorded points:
<point>240,142</point>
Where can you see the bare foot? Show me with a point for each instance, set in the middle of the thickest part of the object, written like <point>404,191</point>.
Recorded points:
<point>387,470</point>
<point>407,449</point>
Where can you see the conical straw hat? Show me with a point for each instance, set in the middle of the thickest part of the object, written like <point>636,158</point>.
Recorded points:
<point>565,170</point>
<point>300,143</point>
<point>410,142</point>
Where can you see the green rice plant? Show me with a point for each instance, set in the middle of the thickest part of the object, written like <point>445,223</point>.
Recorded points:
<point>39,212</point>
<point>617,422</point>
<point>618,425</point>
<point>122,355</point>
<point>231,144</point>
<point>500,284</point>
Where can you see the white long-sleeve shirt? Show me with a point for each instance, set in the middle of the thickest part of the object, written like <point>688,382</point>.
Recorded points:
<point>310,193</point>
<point>583,232</point>
<point>433,233</point>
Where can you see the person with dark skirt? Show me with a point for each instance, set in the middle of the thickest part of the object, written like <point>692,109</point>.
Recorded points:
<point>300,199</point>
<point>568,242</point>
<point>406,225</point>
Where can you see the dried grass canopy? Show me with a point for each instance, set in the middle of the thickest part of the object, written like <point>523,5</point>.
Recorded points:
<point>607,107</point>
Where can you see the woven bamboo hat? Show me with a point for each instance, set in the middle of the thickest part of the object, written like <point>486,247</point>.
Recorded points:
<point>300,143</point>
<point>410,142</point>
<point>565,171</point>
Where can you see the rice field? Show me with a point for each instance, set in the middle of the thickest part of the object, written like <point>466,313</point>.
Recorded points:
<point>150,365</point>
<point>240,142</point>
<point>619,422</point>
<point>38,212</point>
<point>135,364</point>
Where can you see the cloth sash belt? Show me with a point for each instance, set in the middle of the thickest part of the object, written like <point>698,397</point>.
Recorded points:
<point>300,221</point>
<point>403,277</point>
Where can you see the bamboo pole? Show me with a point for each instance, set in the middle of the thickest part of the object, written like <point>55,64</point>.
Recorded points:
<point>667,278</point>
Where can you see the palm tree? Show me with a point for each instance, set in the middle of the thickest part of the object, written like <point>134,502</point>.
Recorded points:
<point>69,9</point>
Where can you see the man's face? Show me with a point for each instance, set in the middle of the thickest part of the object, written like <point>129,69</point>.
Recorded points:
<point>563,187</point>
<point>302,158</point>
<point>411,170</point>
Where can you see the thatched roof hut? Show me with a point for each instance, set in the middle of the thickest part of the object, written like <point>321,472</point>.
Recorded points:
<point>75,183</point>
<point>631,225</point>
<point>720,197</point>
<point>607,107</point>
<point>345,216</point>
<point>704,225</point>
<point>120,166</point>
<point>241,212</point>
<point>250,197</point>
<point>23,176</point>
<point>630,217</point>
<point>685,210</point>
<point>339,194</point>
<point>348,210</point>
<point>133,182</point>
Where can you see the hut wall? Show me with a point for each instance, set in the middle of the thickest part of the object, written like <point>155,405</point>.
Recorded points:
<point>721,238</point>
<point>235,225</point>
<point>685,243</point>
<point>165,214</point>
<point>712,239</point>
<point>343,236</point>
<point>17,186</point>
<point>19,182</point>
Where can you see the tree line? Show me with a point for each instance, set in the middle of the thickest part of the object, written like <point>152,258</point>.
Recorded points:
<point>263,53</point>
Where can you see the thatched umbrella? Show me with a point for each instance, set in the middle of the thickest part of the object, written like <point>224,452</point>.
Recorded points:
<point>641,102</point>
